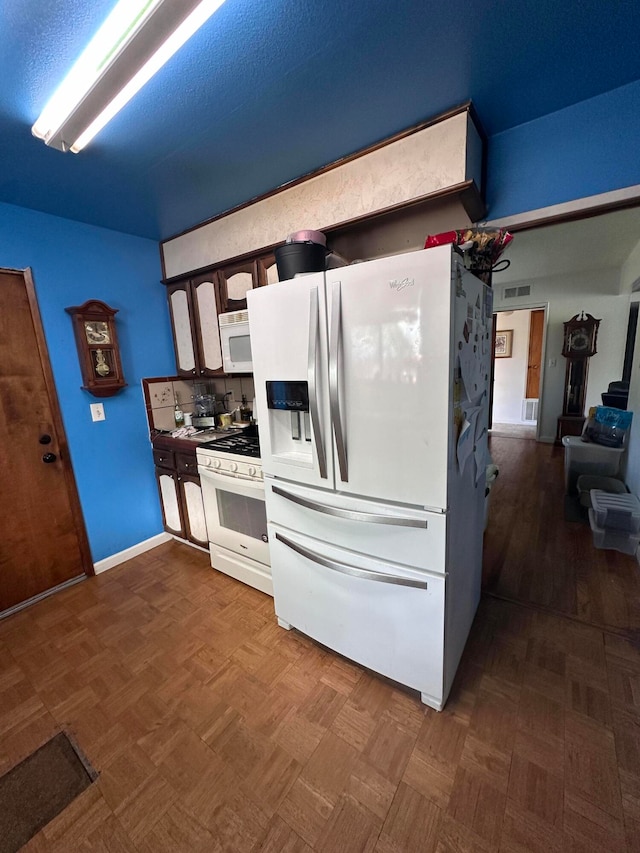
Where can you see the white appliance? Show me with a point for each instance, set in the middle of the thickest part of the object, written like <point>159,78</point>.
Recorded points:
<point>372,388</point>
<point>235,342</point>
<point>234,507</point>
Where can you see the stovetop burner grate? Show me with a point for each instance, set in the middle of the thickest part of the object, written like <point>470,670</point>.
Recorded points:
<point>241,444</point>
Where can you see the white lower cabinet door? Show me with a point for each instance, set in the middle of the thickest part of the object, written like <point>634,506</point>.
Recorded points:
<point>170,503</point>
<point>194,508</point>
<point>387,617</point>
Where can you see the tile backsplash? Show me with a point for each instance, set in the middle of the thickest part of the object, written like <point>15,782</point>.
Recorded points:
<point>160,394</point>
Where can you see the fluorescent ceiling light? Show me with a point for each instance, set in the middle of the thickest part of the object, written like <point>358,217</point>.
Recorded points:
<point>134,42</point>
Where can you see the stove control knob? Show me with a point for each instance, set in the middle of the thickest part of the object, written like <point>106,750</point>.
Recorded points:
<point>216,463</point>
<point>252,471</point>
<point>233,466</point>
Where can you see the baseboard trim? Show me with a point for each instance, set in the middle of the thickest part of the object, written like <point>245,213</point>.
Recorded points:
<point>190,544</point>
<point>129,553</point>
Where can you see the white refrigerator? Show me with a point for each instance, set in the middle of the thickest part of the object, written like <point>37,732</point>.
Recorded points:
<point>371,387</point>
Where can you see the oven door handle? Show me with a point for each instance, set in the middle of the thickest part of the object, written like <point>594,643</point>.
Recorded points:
<point>229,482</point>
<point>352,514</point>
<point>347,569</point>
<point>314,320</point>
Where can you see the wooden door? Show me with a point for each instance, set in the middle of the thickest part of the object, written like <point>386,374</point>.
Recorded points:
<point>536,329</point>
<point>42,538</point>
<point>492,372</point>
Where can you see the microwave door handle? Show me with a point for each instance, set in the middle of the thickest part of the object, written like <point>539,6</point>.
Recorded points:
<point>334,389</point>
<point>347,569</point>
<point>312,361</point>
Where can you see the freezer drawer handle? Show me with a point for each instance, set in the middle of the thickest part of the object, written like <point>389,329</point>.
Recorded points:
<point>314,317</point>
<point>334,389</point>
<point>352,515</point>
<point>345,569</point>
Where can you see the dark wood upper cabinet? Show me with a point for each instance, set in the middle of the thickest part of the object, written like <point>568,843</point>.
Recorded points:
<point>194,305</point>
<point>235,280</point>
<point>267,270</point>
<point>196,302</point>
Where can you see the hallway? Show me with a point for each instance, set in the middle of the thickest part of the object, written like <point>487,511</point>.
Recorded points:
<point>534,557</point>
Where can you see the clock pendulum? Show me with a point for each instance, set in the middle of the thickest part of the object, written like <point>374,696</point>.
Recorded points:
<point>579,344</point>
<point>102,368</point>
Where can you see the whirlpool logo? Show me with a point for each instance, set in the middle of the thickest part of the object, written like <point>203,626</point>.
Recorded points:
<point>400,283</point>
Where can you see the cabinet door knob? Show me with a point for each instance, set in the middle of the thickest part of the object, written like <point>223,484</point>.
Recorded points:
<point>49,457</point>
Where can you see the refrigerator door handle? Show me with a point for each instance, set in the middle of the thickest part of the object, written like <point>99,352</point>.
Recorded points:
<point>352,515</point>
<point>314,319</point>
<point>346,569</point>
<point>334,390</point>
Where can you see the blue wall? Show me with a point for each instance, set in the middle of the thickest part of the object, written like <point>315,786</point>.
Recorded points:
<point>580,151</point>
<point>586,149</point>
<point>112,461</point>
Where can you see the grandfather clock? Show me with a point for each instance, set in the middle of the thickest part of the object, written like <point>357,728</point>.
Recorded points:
<point>579,344</point>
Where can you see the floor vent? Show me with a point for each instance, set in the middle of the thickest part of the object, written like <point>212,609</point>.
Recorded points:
<point>516,291</point>
<point>530,410</point>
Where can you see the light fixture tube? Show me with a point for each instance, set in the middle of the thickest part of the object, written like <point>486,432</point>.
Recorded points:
<point>134,42</point>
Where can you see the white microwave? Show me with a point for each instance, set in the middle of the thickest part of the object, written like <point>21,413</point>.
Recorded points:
<point>235,342</point>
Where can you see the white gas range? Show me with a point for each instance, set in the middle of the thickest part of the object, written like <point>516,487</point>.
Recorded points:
<point>233,495</point>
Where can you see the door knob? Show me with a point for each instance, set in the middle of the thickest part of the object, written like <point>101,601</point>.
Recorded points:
<point>45,439</point>
<point>49,457</point>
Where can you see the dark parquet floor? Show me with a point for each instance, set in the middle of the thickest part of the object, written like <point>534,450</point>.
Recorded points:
<point>214,730</point>
<point>533,556</point>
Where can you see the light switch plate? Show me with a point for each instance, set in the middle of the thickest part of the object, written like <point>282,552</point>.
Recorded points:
<point>97,411</point>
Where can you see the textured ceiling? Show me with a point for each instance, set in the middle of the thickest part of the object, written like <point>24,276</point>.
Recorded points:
<point>269,91</point>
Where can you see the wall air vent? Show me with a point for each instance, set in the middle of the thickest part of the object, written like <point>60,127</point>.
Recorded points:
<point>516,291</point>
<point>530,410</point>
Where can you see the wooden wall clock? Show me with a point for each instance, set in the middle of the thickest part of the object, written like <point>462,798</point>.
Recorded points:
<point>97,342</point>
<point>579,344</point>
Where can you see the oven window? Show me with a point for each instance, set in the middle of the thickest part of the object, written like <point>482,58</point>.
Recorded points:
<point>240,348</point>
<point>244,515</point>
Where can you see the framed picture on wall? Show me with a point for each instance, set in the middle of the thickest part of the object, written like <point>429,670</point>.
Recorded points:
<point>504,343</point>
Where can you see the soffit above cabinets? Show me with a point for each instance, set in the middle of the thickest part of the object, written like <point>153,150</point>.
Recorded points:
<point>422,166</point>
